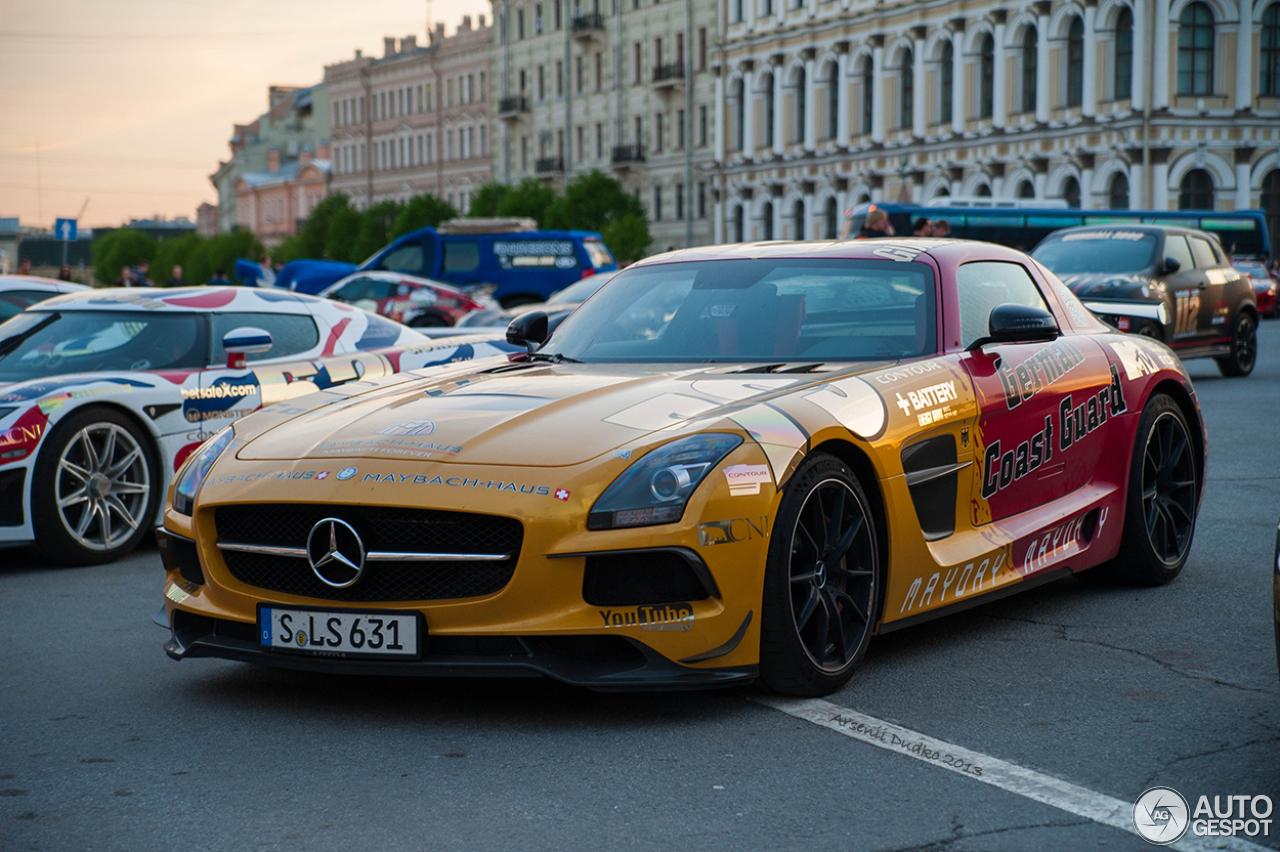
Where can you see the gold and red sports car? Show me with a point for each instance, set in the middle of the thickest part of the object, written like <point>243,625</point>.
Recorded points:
<point>731,463</point>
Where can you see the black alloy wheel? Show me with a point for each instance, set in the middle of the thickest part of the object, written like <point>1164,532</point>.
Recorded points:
<point>822,584</point>
<point>1149,329</point>
<point>1244,348</point>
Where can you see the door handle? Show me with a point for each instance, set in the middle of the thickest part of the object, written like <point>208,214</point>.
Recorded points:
<point>1202,286</point>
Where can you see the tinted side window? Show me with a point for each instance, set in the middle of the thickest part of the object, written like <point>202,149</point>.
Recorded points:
<point>1175,246</point>
<point>461,255</point>
<point>291,334</point>
<point>984,285</point>
<point>407,258</point>
<point>1203,253</point>
<point>15,301</point>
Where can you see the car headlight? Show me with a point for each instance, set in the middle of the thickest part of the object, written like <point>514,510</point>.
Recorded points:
<point>196,468</point>
<point>655,489</point>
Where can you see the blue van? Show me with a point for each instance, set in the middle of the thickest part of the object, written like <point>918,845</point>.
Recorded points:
<point>515,267</point>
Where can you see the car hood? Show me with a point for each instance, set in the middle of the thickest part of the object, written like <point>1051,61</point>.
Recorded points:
<point>540,415</point>
<point>1109,285</point>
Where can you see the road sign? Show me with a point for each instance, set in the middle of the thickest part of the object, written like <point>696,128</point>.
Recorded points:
<point>65,229</point>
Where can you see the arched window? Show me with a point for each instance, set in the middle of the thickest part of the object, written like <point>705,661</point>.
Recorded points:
<point>1030,63</point>
<point>767,215</point>
<point>987,73</point>
<point>1118,192</point>
<point>1196,191</point>
<point>833,101</point>
<point>831,219</point>
<point>768,110</point>
<point>800,104</point>
<point>984,191</point>
<point>738,224</point>
<point>1026,189</point>
<point>1071,192</point>
<point>868,95</point>
<point>947,75</point>
<point>797,218</point>
<point>739,115</point>
<point>1269,58</point>
<point>1075,63</point>
<point>907,104</point>
<point>1271,203</point>
<point>1195,50</point>
<point>1124,55</point>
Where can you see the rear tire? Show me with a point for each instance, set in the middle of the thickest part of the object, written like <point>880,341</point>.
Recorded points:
<point>1244,348</point>
<point>1163,495</point>
<point>1149,329</point>
<point>516,301</point>
<point>429,321</point>
<point>822,582</point>
<point>95,488</point>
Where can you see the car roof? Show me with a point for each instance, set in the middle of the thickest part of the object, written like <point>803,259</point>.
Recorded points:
<point>204,299</point>
<point>1125,226</point>
<point>396,277</point>
<point>31,282</point>
<point>888,248</point>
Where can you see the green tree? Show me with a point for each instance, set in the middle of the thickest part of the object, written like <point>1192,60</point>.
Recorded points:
<point>422,211</point>
<point>340,242</point>
<point>375,227</point>
<point>487,199</point>
<point>627,236</point>
<point>221,252</point>
<point>119,248</point>
<point>530,197</point>
<point>590,202</point>
<point>174,252</point>
<point>313,238</point>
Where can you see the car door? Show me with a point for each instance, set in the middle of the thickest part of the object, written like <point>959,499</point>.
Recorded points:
<point>1186,289</point>
<point>1038,403</point>
<point>1215,309</point>
<point>228,393</point>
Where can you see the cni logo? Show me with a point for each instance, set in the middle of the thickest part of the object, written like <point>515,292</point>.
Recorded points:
<point>1160,816</point>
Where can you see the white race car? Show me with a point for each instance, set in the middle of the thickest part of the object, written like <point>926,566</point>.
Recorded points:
<point>103,395</point>
<point>18,292</point>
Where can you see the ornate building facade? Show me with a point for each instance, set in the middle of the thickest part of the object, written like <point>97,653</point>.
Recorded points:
<point>822,104</point>
<point>415,120</point>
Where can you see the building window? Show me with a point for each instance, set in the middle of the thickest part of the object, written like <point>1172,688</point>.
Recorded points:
<point>797,219</point>
<point>482,86</point>
<point>581,134</point>
<point>984,191</point>
<point>833,101</point>
<point>559,76</point>
<point>599,141</point>
<point>636,66</point>
<point>1271,197</point>
<point>599,69</point>
<point>520,23</point>
<point>767,216</point>
<point>1124,55</point>
<point>947,76</point>
<point>702,48</point>
<point>1196,191</point>
<point>1118,192</point>
<point>987,75</point>
<point>1030,63</point>
<point>680,130</point>
<point>679,201</point>
<point>542,84</point>
<point>739,114</point>
<point>1075,63</point>
<point>831,219</point>
<point>801,106</point>
<point>657,204</point>
<point>702,126</point>
<point>537,19</point>
<point>907,101</point>
<point>1071,192</point>
<point>736,16</point>
<point>702,200</point>
<point>767,82</point>
<point>868,95</point>
<point>483,145</point>
<point>524,153</point>
<point>638,129</point>
<point>739,224</point>
<point>556,5</point>
<point>658,128</point>
<point>1269,58</point>
<point>1195,50</point>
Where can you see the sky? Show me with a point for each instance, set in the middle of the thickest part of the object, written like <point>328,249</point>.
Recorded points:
<point>130,103</point>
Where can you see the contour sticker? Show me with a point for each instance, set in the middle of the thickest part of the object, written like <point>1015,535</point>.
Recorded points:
<point>745,479</point>
<point>781,439</point>
<point>854,404</point>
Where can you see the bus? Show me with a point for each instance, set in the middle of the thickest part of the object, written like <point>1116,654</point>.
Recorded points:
<point>1243,233</point>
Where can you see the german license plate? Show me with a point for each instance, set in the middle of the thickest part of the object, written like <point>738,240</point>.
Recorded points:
<point>349,633</point>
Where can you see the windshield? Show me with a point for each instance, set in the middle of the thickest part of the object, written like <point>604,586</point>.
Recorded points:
<point>1098,251</point>
<point>598,254</point>
<point>579,292</point>
<point>38,344</point>
<point>756,310</point>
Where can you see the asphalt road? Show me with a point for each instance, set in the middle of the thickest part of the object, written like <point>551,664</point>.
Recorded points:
<point>107,744</point>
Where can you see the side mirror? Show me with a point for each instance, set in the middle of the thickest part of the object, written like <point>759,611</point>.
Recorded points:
<point>243,341</point>
<point>1171,265</point>
<point>1011,323</point>
<point>528,329</point>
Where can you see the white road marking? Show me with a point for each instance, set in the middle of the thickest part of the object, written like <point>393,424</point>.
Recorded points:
<point>1010,777</point>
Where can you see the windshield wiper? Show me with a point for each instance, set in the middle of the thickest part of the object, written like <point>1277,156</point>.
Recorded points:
<point>9,344</point>
<point>553,357</point>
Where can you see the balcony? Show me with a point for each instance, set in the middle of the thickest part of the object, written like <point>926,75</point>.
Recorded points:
<point>587,25</point>
<point>669,76</point>
<point>627,156</point>
<point>511,107</point>
<point>549,165</point>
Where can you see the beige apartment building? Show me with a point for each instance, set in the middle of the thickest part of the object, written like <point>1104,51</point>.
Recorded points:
<point>822,104</point>
<point>415,120</point>
<point>622,86</point>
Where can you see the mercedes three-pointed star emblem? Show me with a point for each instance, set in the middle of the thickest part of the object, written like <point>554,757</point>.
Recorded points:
<point>335,552</point>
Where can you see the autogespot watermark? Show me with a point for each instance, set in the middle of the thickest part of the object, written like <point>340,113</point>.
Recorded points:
<point>1162,816</point>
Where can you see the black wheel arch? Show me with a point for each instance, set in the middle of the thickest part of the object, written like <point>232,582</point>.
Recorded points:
<point>1179,394</point>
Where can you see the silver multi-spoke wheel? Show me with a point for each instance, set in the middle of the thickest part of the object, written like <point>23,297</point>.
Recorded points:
<point>102,486</point>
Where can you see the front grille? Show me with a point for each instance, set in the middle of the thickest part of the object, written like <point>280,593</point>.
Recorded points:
<point>646,577</point>
<point>381,529</point>
<point>11,482</point>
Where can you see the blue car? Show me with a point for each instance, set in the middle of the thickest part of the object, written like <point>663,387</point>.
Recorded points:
<point>515,268</point>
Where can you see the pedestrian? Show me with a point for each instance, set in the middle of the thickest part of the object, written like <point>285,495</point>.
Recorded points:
<point>139,272</point>
<point>219,278</point>
<point>941,228</point>
<point>923,227</point>
<point>126,277</point>
<point>24,266</point>
<point>268,276</point>
<point>64,272</point>
<point>176,279</point>
<point>877,224</point>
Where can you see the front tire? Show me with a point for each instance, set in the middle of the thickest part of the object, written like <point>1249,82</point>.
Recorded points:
<point>95,488</point>
<point>822,582</point>
<point>1244,348</point>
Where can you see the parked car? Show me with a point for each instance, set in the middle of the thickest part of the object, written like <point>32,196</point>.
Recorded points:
<point>559,306</point>
<point>19,292</point>
<point>407,299</point>
<point>1175,285</point>
<point>1264,285</point>
<point>732,463</point>
<point>103,394</point>
<point>513,266</point>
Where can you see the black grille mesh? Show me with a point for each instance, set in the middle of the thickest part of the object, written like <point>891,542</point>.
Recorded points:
<point>635,579</point>
<point>380,528</point>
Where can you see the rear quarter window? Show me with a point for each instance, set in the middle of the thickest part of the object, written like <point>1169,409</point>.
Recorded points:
<point>1203,253</point>
<point>461,255</point>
